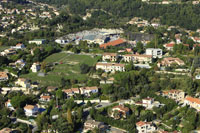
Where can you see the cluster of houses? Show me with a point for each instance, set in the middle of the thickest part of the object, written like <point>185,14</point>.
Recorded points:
<point>143,23</point>
<point>21,84</point>
<point>87,91</point>
<point>29,110</point>
<point>181,97</point>
<point>9,16</point>
<point>12,50</point>
<point>140,60</point>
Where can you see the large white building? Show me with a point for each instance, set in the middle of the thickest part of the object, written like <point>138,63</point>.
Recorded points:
<point>137,58</point>
<point>37,41</point>
<point>155,52</point>
<point>110,67</point>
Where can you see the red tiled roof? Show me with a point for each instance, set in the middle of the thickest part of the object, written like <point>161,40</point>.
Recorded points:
<point>113,43</point>
<point>140,123</point>
<point>46,97</point>
<point>194,100</point>
<point>71,90</point>
<point>29,107</point>
<point>111,54</point>
<point>170,45</point>
<point>91,88</point>
<point>122,108</point>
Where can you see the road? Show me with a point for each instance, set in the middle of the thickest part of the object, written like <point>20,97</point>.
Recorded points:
<point>33,124</point>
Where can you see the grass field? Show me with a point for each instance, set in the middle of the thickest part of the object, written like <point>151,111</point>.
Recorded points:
<point>69,69</point>
<point>2,48</point>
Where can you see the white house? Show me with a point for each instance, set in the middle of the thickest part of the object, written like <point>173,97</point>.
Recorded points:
<point>20,64</point>
<point>35,67</point>
<point>155,52</point>
<point>9,105</point>
<point>92,124</point>
<point>45,98</point>
<point>109,56</point>
<point>137,58</point>
<point>88,90</point>
<point>23,83</point>
<point>31,110</point>
<point>145,127</point>
<point>110,67</point>
<point>18,46</point>
<point>37,41</point>
<point>62,41</point>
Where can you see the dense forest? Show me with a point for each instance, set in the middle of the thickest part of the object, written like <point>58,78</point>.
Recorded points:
<point>183,15</point>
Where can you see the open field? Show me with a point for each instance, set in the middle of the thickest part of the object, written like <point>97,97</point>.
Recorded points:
<point>68,69</point>
<point>3,48</point>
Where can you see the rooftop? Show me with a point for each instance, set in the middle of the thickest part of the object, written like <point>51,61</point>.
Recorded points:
<point>113,43</point>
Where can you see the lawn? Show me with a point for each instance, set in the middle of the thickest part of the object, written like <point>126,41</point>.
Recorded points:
<point>2,48</point>
<point>67,68</point>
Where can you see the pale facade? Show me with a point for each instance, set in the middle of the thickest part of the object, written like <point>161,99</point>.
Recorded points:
<point>110,67</point>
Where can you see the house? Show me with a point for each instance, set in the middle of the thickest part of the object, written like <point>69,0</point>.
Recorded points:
<point>23,82</point>
<point>92,124</point>
<point>169,61</point>
<point>196,39</point>
<point>9,105</point>
<point>137,58</point>
<point>62,40</point>
<point>51,88</point>
<point>3,76</point>
<point>108,81</point>
<point>119,111</point>
<point>7,52</point>
<point>109,56</point>
<point>110,67</point>
<point>149,103</point>
<point>45,98</point>
<point>18,46</point>
<point>177,95</point>
<point>169,46</point>
<point>31,110</point>
<point>145,127</point>
<point>118,42</point>
<point>37,41</point>
<point>129,50</point>
<point>155,52</point>
<point>88,90</point>
<point>6,130</point>
<point>192,102</point>
<point>20,63</point>
<point>35,67</point>
<point>72,91</point>
<point>178,38</point>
